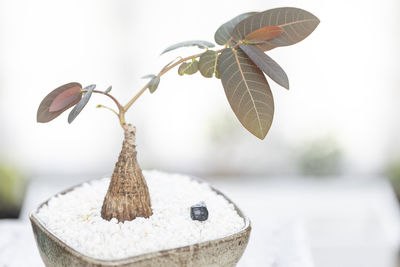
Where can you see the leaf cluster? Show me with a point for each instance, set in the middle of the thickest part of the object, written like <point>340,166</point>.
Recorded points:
<point>64,97</point>
<point>240,64</point>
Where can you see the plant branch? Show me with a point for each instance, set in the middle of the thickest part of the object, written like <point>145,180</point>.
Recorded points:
<point>121,113</point>
<point>110,96</point>
<point>164,70</point>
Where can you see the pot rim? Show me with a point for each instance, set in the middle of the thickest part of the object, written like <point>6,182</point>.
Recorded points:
<point>140,257</point>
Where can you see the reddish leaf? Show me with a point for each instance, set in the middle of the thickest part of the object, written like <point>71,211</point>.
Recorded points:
<point>65,98</point>
<point>296,23</point>
<point>44,114</point>
<point>247,91</point>
<point>264,34</point>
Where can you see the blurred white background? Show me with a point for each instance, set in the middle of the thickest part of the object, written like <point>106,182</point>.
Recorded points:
<point>339,119</point>
<point>344,87</point>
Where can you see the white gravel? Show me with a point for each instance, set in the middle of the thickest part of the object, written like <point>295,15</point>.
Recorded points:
<point>75,218</point>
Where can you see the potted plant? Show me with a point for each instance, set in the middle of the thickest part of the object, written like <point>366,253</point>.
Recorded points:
<point>170,220</point>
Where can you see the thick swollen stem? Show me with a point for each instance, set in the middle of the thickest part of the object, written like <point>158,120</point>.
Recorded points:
<point>127,196</point>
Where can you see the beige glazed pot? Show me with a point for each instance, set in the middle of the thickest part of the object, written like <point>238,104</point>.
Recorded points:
<point>224,251</point>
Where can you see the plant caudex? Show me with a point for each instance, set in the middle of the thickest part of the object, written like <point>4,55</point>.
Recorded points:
<point>240,64</point>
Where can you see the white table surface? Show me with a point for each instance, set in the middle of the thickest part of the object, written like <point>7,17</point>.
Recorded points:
<point>297,222</point>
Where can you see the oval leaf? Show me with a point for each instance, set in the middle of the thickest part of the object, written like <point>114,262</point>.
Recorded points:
<point>44,114</point>
<point>296,23</point>
<point>224,32</point>
<point>153,84</point>
<point>266,64</point>
<point>199,43</point>
<point>108,89</point>
<point>264,34</point>
<point>71,95</point>
<point>208,63</point>
<point>188,68</point>
<point>247,91</point>
<point>82,103</point>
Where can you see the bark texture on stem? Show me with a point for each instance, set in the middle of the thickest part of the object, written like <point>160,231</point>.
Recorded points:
<point>127,196</point>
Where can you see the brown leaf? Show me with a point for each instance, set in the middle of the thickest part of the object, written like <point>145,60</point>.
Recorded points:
<point>266,64</point>
<point>247,91</point>
<point>224,32</point>
<point>296,23</point>
<point>44,114</point>
<point>264,34</point>
<point>65,98</point>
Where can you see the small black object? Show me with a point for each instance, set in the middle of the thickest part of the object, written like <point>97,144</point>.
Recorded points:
<point>199,212</point>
